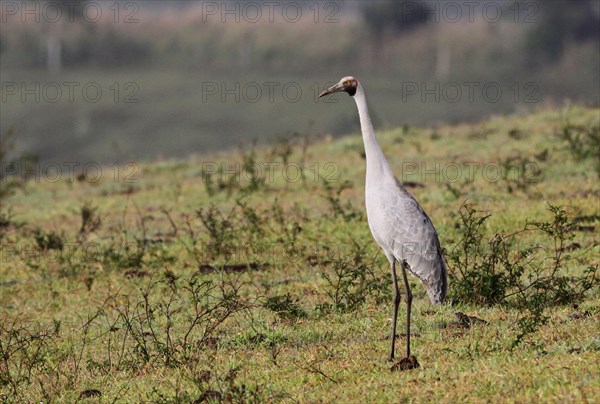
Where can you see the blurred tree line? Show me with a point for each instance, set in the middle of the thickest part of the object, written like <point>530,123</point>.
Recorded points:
<point>81,43</point>
<point>557,23</point>
<point>562,22</point>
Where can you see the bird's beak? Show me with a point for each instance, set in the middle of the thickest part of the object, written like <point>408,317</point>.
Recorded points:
<point>333,89</point>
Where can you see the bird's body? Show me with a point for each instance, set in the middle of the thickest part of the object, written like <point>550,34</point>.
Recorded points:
<point>398,223</point>
<point>405,233</point>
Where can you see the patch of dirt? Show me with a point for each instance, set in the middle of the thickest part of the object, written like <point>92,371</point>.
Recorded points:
<point>584,193</point>
<point>469,320</point>
<point>8,284</point>
<point>130,190</point>
<point>402,335</point>
<point>572,247</point>
<point>405,364</point>
<point>162,238</point>
<point>586,218</point>
<point>136,273</point>
<point>89,393</point>
<point>209,396</point>
<point>251,266</point>
<point>210,342</point>
<point>204,376</point>
<point>257,338</point>
<point>313,261</point>
<point>584,228</point>
<point>464,321</point>
<point>580,315</point>
<point>5,222</point>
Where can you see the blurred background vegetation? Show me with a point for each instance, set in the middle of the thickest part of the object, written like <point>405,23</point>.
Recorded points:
<point>163,56</point>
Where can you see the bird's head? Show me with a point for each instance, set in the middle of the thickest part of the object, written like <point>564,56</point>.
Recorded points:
<point>348,84</point>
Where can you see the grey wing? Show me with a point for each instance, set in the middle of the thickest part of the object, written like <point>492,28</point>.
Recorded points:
<point>415,241</point>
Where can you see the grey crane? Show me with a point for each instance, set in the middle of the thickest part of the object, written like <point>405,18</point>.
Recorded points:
<point>398,223</point>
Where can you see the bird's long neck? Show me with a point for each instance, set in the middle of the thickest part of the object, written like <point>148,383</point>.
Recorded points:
<point>377,165</point>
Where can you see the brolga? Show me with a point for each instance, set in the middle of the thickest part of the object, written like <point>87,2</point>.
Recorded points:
<point>398,223</point>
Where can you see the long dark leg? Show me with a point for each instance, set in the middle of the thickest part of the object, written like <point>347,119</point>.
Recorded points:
<point>408,306</point>
<point>396,304</point>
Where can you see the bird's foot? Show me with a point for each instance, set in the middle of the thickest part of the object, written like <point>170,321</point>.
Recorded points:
<point>407,363</point>
<point>391,358</point>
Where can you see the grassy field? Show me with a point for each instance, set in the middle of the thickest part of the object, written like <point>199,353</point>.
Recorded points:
<point>180,281</point>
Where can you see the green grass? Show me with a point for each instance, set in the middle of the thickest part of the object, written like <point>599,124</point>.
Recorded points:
<point>64,317</point>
